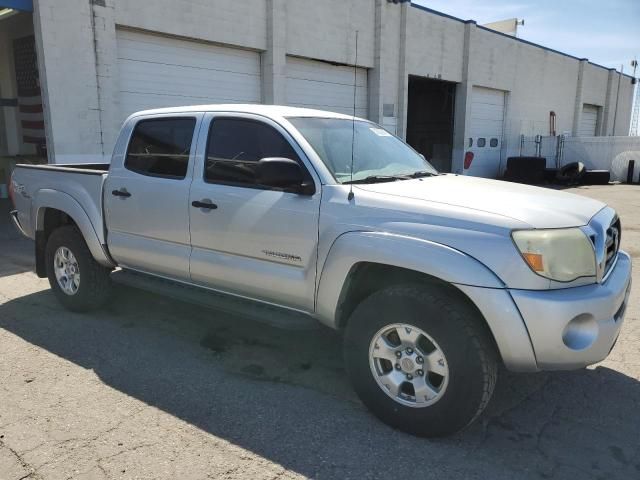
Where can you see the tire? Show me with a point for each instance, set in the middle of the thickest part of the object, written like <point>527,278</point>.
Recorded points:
<point>455,329</point>
<point>94,284</point>
<point>571,173</point>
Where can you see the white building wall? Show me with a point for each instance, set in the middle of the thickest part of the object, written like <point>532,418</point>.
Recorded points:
<point>594,79</point>
<point>537,81</point>
<point>625,105</point>
<point>223,21</point>
<point>325,30</point>
<point>395,41</point>
<point>66,57</point>
<point>435,46</point>
<point>389,53</point>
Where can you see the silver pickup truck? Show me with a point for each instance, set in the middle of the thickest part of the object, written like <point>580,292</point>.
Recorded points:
<point>434,279</point>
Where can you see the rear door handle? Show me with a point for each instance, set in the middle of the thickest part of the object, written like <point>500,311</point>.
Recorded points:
<point>206,205</point>
<point>121,193</point>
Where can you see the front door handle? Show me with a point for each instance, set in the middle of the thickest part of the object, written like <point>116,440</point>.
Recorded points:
<point>121,193</point>
<point>208,205</point>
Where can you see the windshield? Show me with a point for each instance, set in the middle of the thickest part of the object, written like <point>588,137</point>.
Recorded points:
<point>377,155</point>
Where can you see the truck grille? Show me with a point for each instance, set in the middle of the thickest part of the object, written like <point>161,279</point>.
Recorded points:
<point>612,243</point>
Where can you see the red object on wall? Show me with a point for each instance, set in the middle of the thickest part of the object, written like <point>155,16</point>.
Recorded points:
<point>468,158</point>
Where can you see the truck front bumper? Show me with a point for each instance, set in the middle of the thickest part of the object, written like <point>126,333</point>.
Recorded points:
<point>575,327</point>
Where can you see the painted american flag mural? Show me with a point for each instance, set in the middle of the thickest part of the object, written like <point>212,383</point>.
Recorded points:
<point>30,113</point>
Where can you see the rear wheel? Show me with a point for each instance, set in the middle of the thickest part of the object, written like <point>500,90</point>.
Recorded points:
<point>420,359</point>
<point>78,281</point>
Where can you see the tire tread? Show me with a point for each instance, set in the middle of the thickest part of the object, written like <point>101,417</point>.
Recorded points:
<point>462,314</point>
<point>95,280</point>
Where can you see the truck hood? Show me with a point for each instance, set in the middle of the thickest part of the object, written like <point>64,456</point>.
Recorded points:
<point>536,206</point>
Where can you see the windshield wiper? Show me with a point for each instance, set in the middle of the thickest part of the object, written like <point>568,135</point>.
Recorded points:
<point>423,173</point>
<point>377,179</point>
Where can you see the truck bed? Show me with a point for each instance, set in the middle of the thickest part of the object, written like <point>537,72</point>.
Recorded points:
<point>38,186</point>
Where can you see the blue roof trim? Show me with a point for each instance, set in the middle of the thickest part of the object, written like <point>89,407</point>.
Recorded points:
<point>529,43</point>
<point>435,12</point>
<point>511,37</point>
<point>607,68</point>
<point>22,5</point>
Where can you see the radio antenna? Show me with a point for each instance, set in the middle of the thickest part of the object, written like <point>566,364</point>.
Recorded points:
<point>353,119</point>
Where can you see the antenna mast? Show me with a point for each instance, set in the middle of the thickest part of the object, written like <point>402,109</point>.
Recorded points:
<point>635,131</point>
<point>353,119</point>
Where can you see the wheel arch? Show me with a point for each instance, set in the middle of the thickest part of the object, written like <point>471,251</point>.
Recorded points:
<point>363,264</point>
<point>54,209</point>
<point>415,257</point>
<point>365,278</point>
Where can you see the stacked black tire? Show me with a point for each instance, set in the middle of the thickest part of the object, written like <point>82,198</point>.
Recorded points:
<point>532,170</point>
<point>529,170</point>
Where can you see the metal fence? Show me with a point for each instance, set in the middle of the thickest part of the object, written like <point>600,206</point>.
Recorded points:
<point>597,153</point>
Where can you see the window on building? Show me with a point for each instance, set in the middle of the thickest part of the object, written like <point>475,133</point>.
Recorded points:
<point>161,147</point>
<point>470,142</point>
<point>482,142</point>
<point>493,142</point>
<point>236,145</point>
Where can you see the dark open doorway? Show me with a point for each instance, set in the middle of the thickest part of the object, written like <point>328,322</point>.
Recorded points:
<point>430,119</point>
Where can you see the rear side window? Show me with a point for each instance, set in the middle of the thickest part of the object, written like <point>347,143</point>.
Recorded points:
<point>236,145</point>
<point>161,147</point>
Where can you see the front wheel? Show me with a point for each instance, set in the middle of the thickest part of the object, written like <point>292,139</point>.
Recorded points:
<point>78,281</point>
<point>420,359</point>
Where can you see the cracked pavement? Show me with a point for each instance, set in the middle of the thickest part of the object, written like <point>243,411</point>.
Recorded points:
<point>152,388</point>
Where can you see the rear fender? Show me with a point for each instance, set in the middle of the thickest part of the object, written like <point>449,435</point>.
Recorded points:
<point>55,199</point>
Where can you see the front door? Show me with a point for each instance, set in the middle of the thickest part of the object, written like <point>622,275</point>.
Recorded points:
<point>146,197</point>
<point>248,239</point>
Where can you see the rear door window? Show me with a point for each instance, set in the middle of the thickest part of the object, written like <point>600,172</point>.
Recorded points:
<point>161,147</point>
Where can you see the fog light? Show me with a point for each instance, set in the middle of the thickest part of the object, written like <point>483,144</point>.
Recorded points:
<point>581,332</point>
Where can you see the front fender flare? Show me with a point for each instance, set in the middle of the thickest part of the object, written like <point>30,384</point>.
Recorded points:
<point>64,202</point>
<point>434,259</point>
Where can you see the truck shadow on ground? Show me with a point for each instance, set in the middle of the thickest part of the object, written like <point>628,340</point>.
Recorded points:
<point>16,252</point>
<point>284,395</point>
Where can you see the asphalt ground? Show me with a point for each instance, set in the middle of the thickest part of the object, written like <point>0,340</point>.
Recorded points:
<point>153,388</point>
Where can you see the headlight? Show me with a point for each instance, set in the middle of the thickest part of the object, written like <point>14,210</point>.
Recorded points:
<point>563,254</point>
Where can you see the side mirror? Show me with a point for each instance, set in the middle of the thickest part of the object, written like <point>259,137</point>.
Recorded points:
<point>283,173</point>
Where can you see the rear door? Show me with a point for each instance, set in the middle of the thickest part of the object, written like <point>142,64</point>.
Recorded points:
<point>146,196</point>
<point>252,241</point>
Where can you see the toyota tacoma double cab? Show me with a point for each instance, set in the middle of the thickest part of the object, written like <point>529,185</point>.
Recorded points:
<point>434,279</point>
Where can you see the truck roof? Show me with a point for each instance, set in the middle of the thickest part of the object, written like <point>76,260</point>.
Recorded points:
<point>270,111</point>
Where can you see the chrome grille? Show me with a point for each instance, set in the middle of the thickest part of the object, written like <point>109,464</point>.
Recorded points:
<point>605,232</point>
<point>612,243</point>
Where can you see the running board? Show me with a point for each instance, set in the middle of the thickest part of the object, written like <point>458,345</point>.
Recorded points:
<point>272,315</point>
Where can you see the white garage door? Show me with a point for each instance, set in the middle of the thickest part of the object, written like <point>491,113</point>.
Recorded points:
<point>588,121</point>
<point>313,84</point>
<point>156,71</point>
<point>486,131</point>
